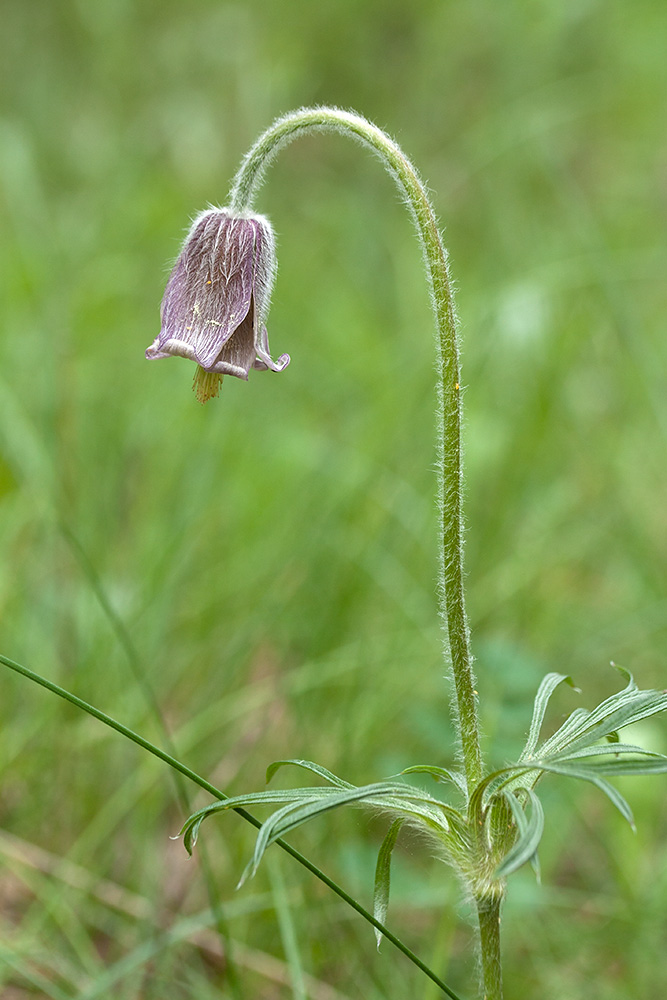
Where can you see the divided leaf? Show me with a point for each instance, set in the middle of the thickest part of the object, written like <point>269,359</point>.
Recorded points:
<point>298,805</point>
<point>622,709</point>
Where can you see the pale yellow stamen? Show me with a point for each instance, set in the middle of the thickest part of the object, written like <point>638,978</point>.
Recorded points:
<point>206,385</point>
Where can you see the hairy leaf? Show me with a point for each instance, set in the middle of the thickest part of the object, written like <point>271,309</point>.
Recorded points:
<point>190,829</point>
<point>440,774</point>
<point>544,692</point>
<point>530,833</point>
<point>308,765</point>
<point>383,876</point>
<point>592,774</point>
<point>621,709</point>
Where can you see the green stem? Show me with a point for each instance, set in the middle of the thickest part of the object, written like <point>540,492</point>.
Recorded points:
<point>451,597</point>
<point>488,913</point>
<point>217,794</point>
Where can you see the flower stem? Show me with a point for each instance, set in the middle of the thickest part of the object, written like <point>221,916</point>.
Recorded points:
<point>488,913</point>
<point>451,596</point>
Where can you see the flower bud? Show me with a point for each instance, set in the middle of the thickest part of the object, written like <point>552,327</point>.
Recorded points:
<point>217,299</point>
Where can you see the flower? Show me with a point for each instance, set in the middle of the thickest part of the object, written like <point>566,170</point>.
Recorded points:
<point>217,298</point>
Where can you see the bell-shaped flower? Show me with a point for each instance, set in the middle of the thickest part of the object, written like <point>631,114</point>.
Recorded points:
<point>217,299</point>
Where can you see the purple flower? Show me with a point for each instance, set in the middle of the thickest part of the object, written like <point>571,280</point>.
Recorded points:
<point>217,299</point>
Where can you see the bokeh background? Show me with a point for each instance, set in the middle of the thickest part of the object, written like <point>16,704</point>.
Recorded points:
<point>268,561</point>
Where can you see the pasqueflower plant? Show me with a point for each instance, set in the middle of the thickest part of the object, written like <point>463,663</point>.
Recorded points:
<point>492,822</point>
<point>489,822</point>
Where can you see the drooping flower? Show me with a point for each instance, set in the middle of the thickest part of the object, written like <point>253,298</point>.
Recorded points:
<point>216,301</point>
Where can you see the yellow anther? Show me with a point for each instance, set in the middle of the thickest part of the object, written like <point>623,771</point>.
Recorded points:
<point>206,384</point>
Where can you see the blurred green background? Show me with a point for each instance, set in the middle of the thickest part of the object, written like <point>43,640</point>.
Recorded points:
<point>272,555</point>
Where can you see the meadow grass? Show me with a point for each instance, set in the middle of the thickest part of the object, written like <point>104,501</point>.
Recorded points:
<point>272,555</point>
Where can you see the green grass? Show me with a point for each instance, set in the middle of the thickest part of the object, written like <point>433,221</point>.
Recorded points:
<point>272,555</point>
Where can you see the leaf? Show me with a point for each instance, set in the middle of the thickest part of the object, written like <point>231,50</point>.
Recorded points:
<point>588,773</point>
<point>440,774</point>
<point>480,793</point>
<point>190,829</point>
<point>280,821</point>
<point>530,833</point>
<point>608,750</point>
<point>382,794</point>
<point>433,814</point>
<point>621,709</point>
<point>612,768</point>
<point>308,765</point>
<point>544,692</point>
<point>562,736</point>
<point>383,877</point>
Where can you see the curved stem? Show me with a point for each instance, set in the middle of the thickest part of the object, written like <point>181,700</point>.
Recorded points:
<point>451,597</point>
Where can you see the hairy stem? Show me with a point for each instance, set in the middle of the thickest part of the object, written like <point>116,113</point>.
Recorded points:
<point>451,597</point>
<point>488,913</point>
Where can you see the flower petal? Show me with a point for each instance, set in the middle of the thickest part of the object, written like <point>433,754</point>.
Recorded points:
<point>264,360</point>
<point>237,354</point>
<point>208,294</point>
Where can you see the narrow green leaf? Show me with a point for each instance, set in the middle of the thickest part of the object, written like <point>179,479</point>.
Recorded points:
<point>632,686</point>
<point>294,815</point>
<point>530,833</point>
<point>439,773</point>
<point>270,831</point>
<point>565,733</point>
<point>487,787</point>
<point>605,750</point>
<point>438,818</point>
<point>190,829</point>
<point>392,796</point>
<point>544,692</point>
<point>383,877</point>
<point>588,773</point>
<point>308,765</point>
<point>611,768</point>
<point>614,713</point>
